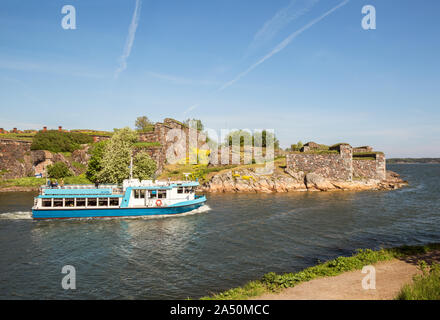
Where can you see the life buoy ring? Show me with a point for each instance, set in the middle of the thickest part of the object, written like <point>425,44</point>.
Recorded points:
<point>158,202</point>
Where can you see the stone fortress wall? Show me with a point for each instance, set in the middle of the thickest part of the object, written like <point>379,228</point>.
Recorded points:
<point>346,164</point>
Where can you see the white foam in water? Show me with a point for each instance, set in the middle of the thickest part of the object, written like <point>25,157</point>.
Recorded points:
<point>202,209</point>
<point>20,215</point>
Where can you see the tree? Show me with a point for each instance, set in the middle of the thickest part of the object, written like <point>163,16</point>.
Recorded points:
<point>198,123</point>
<point>143,124</point>
<point>296,147</point>
<point>265,138</point>
<point>58,170</point>
<point>144,167</point>
<point>95,162</point>
<point>116,159</point>
<point>244,136</point>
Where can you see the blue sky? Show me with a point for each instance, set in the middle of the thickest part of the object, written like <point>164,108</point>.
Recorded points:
<point>225,62</point>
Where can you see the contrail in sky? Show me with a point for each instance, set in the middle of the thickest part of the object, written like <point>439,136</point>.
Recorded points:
<point>130,38</point>
<point>281,19</point>
<point>282,45</point>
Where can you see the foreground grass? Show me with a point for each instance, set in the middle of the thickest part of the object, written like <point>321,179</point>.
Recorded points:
<point>425,286</point>
<point>36,182</point>
<point>272,282</point>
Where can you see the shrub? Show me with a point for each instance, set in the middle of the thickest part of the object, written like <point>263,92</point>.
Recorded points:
<point>58,170</point>
<point>57,141</point>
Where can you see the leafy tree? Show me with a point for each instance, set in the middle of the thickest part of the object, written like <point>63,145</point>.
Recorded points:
<point>57,141</point>
<point>58,170</point>
<point>265,138</point>
<point>116,160</point>
<point>244,136</point>
<point>198,123</point>
<point>296,147</point>
<point>95,162</point>
<point>144,167</point>
<point>143,124</point>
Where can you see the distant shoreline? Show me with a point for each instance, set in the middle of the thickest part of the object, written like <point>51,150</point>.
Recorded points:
<point>413,161</point>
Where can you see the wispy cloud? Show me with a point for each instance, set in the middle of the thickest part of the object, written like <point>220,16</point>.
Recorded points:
<point>180,80</point>
<point>130,38</point>
<point>191,108</point>
<point>282,45</point>
<point>52,68</point>
<point>280,20</point>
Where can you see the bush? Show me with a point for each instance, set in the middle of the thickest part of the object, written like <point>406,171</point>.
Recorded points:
<point>57,141</point>
<point>58,170</point>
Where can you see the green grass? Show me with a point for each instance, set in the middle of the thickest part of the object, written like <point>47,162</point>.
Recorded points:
<point>146,144</point>
<point>36,182</point>
<point>272,282</point>
<point>425,286</point>
<point>79,165</point>
<point>18,136</point>
<point>80,179</point>
<point>364,158</point>
<point>317,151</point>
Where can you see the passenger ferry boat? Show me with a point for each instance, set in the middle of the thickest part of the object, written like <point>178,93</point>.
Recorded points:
<point>134,198</point>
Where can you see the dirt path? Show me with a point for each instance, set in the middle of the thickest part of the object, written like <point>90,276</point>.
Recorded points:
<point>390,277</point>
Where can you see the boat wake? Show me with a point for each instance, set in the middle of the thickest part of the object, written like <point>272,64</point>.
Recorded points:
<point>19,215</point>
<point>26,215</point>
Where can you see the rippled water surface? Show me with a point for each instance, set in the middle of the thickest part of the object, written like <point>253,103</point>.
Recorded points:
<point>235,238</point>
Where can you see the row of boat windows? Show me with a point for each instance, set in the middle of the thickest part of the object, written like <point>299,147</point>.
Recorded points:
<point>158,194</point>
<point>80,202</point>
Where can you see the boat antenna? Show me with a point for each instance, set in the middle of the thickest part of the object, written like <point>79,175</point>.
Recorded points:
<point>131,166</point>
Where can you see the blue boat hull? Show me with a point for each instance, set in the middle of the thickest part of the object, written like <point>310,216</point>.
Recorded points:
<point>118,212</point>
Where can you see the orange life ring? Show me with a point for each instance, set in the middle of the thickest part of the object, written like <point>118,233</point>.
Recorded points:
<point>158,202</point>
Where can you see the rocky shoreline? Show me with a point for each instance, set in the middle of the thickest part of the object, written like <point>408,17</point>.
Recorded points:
<point>249,180</point>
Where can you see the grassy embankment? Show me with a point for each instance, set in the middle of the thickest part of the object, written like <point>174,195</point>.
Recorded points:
<point>204,172</point>
<point>272,282</point>
<point>32,182</point>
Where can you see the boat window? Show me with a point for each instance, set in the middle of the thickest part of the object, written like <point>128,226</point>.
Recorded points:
<point>188,190</point>
<point>70,202</point>
<point>152,194</point>
<point>142,193</point>
<point>114,202</point>
<point>47,202</point>
<point>57,202</point>
<point>136,194</point>
<point>180,190</point>
<point>161,194</point>
<point>91,202</point>
<point>81,202</point>
<point>103,202</point>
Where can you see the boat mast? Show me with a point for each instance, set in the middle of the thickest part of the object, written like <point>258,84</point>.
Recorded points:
<point>131,166</point>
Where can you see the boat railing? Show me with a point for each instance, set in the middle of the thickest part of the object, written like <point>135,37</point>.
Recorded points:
<point>116,189</point>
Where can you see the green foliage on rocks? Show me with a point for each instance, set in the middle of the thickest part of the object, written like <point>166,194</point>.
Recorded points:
<point>57,141</point>
<point>142,144</point>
